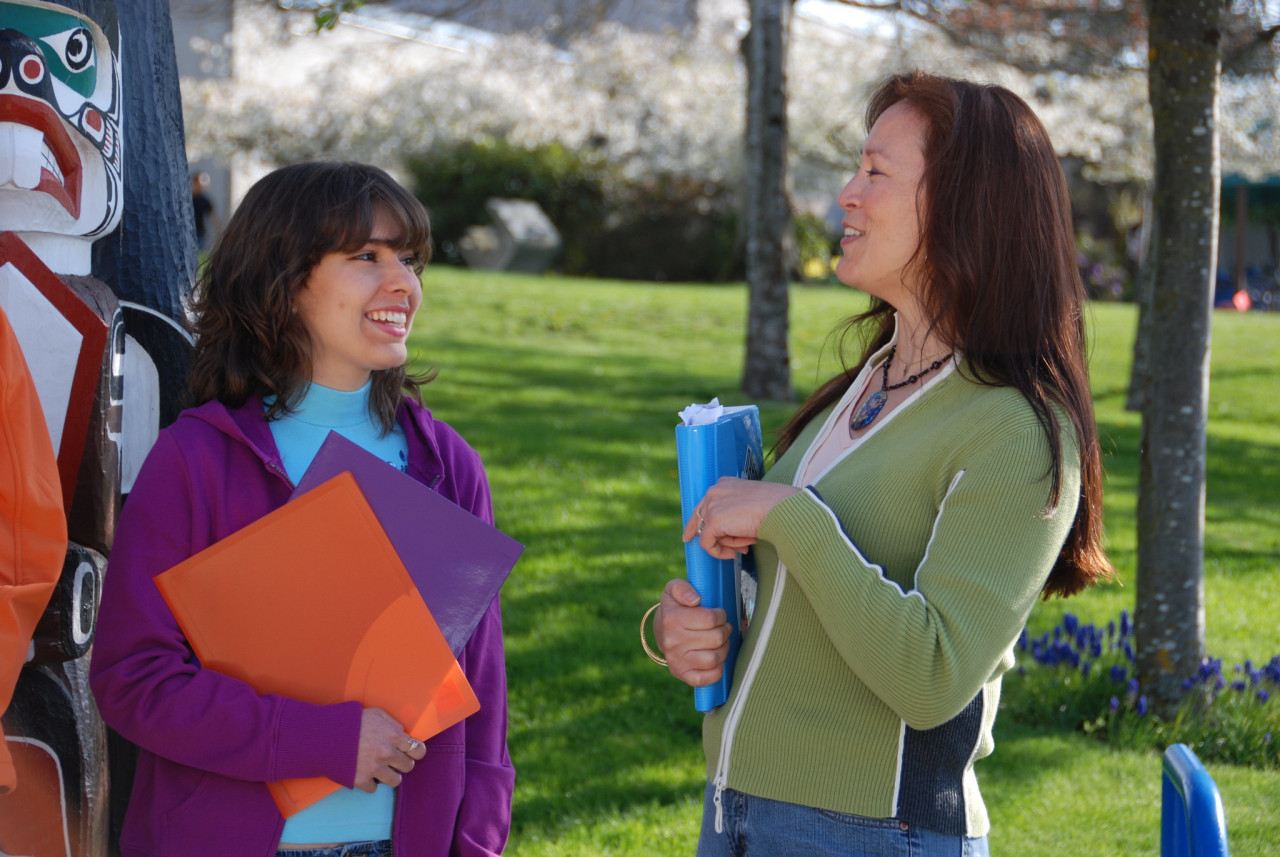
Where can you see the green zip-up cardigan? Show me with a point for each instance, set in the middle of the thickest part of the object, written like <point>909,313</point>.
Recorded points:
<point>891,593</point>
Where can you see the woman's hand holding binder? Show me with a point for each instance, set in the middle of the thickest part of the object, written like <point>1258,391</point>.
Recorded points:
<point>693,639</point>
<point>728,517</point>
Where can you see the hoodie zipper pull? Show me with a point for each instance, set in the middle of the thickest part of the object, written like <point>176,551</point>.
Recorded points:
<point>719,807</point>
<point>279,471</point>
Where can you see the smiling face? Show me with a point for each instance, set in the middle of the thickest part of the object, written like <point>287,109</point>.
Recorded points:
<point>358,308</point>
<point>881,221</point>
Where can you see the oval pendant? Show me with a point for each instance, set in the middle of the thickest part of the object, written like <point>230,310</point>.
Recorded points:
<point>868,411</point>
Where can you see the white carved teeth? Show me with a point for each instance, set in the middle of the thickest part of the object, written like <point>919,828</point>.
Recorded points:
<point>27,156</point>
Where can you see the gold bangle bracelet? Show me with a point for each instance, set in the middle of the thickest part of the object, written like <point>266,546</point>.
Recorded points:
<point>653,656</point>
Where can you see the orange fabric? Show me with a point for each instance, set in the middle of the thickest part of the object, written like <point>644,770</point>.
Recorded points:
<point>312,602</point>
<point>33,528</point>
<point>33,817</point>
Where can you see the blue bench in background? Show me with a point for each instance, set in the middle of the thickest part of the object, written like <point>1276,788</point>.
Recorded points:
<point>1192,823</point>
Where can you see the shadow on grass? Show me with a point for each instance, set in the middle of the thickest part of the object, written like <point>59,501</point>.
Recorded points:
<point>581,455</point>
<point>1240,472</point>
<point>1023,755</point>
<point>595,726</point>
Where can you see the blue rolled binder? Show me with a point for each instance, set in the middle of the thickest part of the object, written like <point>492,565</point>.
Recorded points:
<point>729,446</point>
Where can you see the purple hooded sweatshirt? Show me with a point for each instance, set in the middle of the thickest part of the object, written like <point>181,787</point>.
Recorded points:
<point>209,743</point>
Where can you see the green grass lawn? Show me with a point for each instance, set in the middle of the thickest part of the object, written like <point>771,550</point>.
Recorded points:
<point>570,388</point>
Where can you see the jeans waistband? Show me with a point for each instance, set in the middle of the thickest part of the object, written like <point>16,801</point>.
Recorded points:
<point>371,848</point>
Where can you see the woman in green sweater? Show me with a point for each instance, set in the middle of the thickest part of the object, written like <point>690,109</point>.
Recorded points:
<point>920,501</point>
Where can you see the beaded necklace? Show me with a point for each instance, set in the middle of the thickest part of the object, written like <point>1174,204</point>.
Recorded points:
<point>874,404</point>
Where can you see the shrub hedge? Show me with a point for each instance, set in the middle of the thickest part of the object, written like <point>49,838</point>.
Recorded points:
<point>661,227</point>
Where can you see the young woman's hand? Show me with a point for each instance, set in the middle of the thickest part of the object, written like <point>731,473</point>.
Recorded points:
<point>728,516</point>
<point>386,751</point>
<point>693,639</point>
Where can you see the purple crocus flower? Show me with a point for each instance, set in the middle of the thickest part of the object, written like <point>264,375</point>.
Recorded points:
<point>1142,706</point>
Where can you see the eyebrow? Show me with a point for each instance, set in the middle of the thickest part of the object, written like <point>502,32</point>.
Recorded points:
<point>390,243</point>
<point>879,152</point>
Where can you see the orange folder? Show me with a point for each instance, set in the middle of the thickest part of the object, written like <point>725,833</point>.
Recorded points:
<point>312,602</point>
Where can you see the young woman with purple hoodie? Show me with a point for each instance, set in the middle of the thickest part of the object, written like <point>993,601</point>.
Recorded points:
<point>301,320</point>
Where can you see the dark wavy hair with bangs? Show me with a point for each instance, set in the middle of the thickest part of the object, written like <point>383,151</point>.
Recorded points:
<point>1000,281</point>
<point>249,339</point>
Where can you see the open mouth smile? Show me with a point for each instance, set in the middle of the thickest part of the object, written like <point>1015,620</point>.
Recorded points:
<point>396,317</point>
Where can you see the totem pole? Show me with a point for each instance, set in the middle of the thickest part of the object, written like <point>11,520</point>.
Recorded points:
<point>96,255</point>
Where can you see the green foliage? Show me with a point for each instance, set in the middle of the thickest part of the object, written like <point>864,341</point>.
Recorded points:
<point>669,228</point>
<point>1082,676</point>
<point>1103,274</point>
<point>328,14</point>
<point>660,227</point>
<point>569,389</point>
<point>455,181</point>
<point>813,247</point>
<point>1263,205</point>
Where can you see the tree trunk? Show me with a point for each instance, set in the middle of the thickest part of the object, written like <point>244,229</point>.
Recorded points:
<point>1143,290</point>
<point>1185,72</point>
<point>767,370</point>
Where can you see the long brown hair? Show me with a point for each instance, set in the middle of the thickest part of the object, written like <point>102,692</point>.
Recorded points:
<point>1000,282</point>
<point>249,339</point>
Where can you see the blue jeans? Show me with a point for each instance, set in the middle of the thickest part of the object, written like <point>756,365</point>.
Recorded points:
<point>759,827</point>
<point>373,848</point>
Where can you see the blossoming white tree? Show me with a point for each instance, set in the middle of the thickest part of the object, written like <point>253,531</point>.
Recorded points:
<point>649,103</point>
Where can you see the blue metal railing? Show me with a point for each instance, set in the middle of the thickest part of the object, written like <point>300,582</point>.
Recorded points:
<point>1192,823</point>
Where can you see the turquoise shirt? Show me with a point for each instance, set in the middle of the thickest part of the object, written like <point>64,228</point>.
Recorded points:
<point>347,815</point>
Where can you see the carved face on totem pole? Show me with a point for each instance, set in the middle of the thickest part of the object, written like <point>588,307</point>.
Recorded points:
<point>60,128</point>
<point>61,187</point>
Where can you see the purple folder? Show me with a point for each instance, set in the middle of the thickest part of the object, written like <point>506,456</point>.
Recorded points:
<point>457,561</point>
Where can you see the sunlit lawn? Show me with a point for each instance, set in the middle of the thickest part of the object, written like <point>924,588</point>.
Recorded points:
<point>569,389</point>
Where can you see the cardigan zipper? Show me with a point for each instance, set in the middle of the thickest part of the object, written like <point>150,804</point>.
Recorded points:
<point>739,699</point>
<point>734,714</point>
